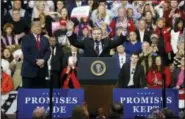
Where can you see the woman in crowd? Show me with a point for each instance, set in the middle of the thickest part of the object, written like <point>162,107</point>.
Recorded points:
<point>149,20</point>
<point>84,22</point>
<point>69,78</point>
<point>158,73</point>
<point>101,14</point>
<point>16,66</point>
<point>64,15</point>
<point>164,44</point>
<point>121,21</point>
<point>42,7</point>
<point>9,40</point>
<point>7,55</point>
<point>149,8</point>
<point>177,33</point>
<point>179,54</point>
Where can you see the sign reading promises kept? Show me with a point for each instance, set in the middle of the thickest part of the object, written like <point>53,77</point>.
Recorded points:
<point>141,102</point>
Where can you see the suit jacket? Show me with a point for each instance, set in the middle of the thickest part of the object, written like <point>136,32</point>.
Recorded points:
<point>124,76</point>
<point>31,53</point>
<point>57,59</point>
<point>88,45</point>
<point>117,57</point>
<point>146,37</point>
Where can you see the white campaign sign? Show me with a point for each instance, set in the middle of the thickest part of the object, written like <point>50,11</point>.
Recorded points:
<point>79,12</point>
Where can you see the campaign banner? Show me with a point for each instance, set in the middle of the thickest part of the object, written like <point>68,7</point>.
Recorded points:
<point>64,100</point>
<point>141,102</point>
<point>79,12</point>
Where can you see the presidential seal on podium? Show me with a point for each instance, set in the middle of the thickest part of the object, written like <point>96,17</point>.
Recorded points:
<point>98,68</point>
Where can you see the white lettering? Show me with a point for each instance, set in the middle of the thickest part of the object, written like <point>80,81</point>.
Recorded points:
<point>27,99</point>
<point>135,109</point>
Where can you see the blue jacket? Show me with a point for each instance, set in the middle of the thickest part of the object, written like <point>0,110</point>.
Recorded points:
<point>31,53</point>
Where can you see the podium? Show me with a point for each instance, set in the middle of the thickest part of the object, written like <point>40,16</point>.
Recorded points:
<point>98,77</point>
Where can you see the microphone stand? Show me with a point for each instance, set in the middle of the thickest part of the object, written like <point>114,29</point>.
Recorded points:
<point>50,96</point>
<point>164,92</point>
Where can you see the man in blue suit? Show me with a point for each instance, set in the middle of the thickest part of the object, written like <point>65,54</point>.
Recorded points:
<point>36,52</point>
<point>121,56</point>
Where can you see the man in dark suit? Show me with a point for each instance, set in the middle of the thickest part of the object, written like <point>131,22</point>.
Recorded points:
<point>36,52</point>
<point>132,74</point>
<point>95,46</point>
<point>142,33</point>
<point>55,62</point>
<point>121,56</point>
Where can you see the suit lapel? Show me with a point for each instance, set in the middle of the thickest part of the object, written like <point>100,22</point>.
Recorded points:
<point>34,40</point>
<point>135,73</point>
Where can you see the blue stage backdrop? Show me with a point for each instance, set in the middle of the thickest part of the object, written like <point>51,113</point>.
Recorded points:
<point>64,100</point>
<point>141,102</point>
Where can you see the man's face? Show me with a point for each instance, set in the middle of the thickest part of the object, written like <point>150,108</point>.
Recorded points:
<point>174,4</point>
<point>145,46</point>
<point>120,49</point>
<point>121,12</point>
<point>97,34</point>
<point>134,59</point>
<point>52,41</point>
<point>142,24</point>
<point>17,4</point>
<point>16,16</point>
<point>132,36</point>
<point>36,28</point>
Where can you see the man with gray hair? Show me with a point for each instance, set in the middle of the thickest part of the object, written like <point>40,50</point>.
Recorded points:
<point>39,113</point>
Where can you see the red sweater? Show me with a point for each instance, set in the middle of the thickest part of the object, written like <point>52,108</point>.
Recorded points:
<point>70,77</point>
<point>131,26</point>
<point>6,84</point>
<point>166,37</point>
<point>152,74</point>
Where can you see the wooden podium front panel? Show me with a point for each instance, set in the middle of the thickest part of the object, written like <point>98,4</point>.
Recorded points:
<point>98,96</point>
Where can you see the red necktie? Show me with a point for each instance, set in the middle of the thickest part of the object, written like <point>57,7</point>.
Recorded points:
<point>38,42</point>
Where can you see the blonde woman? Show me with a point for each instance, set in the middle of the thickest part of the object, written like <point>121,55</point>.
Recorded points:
<point>101,14</point>
<point>41,7</point>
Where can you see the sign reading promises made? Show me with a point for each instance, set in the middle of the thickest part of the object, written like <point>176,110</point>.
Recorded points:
<point>64,100</point>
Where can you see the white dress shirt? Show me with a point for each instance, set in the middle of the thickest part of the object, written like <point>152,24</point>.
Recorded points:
<point>132,71</point>
<point>122,59</point>
<point>141,33</point>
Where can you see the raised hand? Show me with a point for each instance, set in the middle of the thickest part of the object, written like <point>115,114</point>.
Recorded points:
<point>70,26</point>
